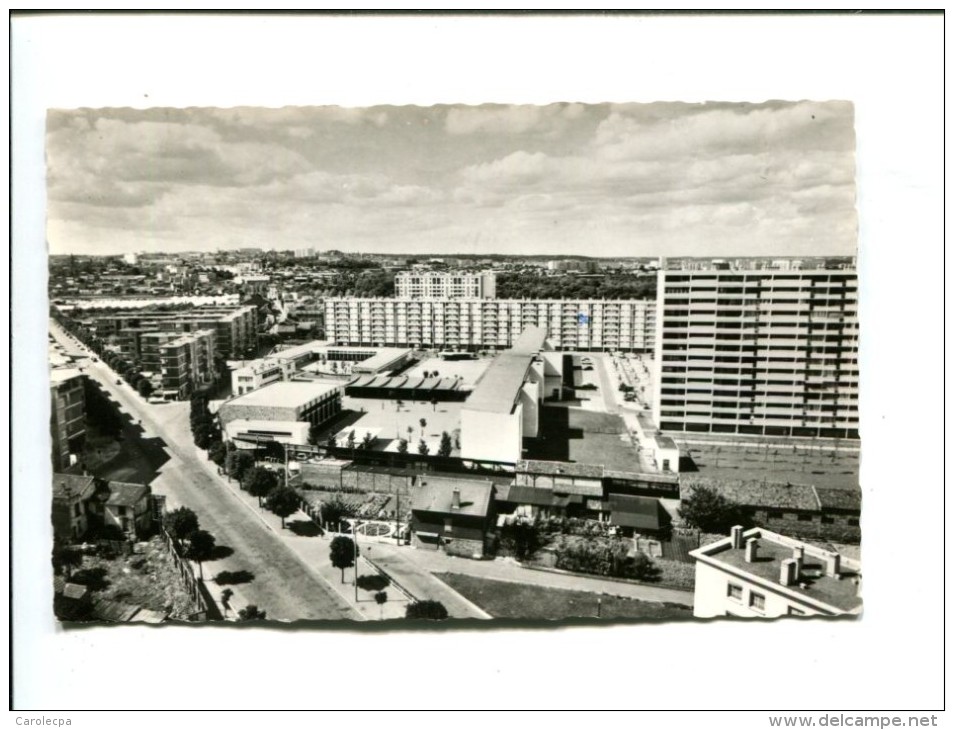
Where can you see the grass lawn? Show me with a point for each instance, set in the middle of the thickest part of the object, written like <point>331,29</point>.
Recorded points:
<point>517,601</point>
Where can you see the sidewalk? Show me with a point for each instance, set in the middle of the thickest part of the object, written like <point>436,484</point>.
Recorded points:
<point>314,552</point>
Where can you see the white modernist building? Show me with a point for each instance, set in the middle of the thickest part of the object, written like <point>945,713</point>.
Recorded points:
<point>479,324</point>
<point>445,285</point>
<point>761,574</point>
<point>504,407</point>
<point>284,364</point>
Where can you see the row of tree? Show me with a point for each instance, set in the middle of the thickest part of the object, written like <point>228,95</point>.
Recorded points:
<point>532,284</point>
<point>130,371</point>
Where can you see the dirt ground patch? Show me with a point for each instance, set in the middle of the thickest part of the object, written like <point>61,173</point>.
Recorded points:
<point>147,579</point>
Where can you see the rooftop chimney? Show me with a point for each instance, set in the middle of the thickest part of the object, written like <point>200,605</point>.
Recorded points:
<point>455,499</point>
<point>789,575</point>
<point>751,550</point>
<point>736,533</point>
<point>833,564</point>
<point>798,555</point>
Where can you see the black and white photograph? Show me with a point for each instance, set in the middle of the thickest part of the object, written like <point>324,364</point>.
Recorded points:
<point>454,362</point>
<point>391,353</point>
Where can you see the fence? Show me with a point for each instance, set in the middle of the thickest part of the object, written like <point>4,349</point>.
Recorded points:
<point>206,609</point>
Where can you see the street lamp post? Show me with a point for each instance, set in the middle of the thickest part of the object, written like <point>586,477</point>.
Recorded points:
<point>354,535</point>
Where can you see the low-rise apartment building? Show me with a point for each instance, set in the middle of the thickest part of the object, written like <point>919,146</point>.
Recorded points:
<point>186,363</point>
<point>761,574</point>
<point>67,415</point>
<point>476,324</point>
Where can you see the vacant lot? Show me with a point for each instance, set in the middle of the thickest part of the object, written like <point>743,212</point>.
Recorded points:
<point>583,437</point>
<point>517,601</point>
<point>811,463</point>
<point>147,579</point>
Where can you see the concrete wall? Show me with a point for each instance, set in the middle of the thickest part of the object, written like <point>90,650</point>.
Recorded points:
<point>486,436</point>
<point>712,600</point>
<point>531,409</point>
<point>820,527</point>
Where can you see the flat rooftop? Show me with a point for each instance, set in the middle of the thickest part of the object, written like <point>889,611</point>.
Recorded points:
<point>530,341</point>
<point>285,394</point>
<point>61,375</point>
<point>841,593</point>
<point>498,387</point>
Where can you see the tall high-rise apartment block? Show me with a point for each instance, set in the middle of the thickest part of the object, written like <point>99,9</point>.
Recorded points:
<point>473,324</point>
<point>757,351</point>
<point>445,285</point>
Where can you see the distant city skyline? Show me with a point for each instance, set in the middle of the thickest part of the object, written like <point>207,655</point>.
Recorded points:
<point>608,180</point>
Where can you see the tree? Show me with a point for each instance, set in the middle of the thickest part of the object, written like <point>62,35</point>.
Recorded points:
<point>381,597</point>
<point>430,610</point>
<point>343,553</point>
<point>251,613</point>
<point>284,502</point>
<point>332,511</point>
<point>259,481</point>
<point>331,443</point>
<point>225,598</point>
<point>201,546</point>
<point>521,538</point>
<point>237,463</point>
<point>410,431</point>
<point>351,440</point>
<point>217,452</point>
<point>422,448</point>
<point>145,388</point>
<point>423,423</point>
<point>367,441</point>
<point>446,445</point>
<point>434,402</point>
<point>180,523</point>
<point>402,446</point>
<point>710,511</point>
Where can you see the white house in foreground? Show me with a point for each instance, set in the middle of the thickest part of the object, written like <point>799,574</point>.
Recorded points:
<point>760,574</point>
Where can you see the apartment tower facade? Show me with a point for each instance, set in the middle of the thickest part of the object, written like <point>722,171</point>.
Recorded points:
<point>762,352</point>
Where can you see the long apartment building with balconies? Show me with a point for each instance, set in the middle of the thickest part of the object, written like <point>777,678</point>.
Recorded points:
<point>475,324</point>
<point>757,352</point>
<point>445,285</point>
<point>235,328</point>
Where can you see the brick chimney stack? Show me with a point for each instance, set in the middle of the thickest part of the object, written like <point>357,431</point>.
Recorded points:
<point>751,550</point>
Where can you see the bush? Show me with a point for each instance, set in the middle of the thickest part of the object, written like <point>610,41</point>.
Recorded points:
<point>431,610</point>
<point>601,556</point>
<point>375,582</point>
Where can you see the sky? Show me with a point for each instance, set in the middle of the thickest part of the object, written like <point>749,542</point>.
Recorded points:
<point>716,179</point>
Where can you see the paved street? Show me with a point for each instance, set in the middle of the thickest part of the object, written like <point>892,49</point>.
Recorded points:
<point>283,585</point>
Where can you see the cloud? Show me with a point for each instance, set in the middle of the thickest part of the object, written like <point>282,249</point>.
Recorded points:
<point>511,120</point>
